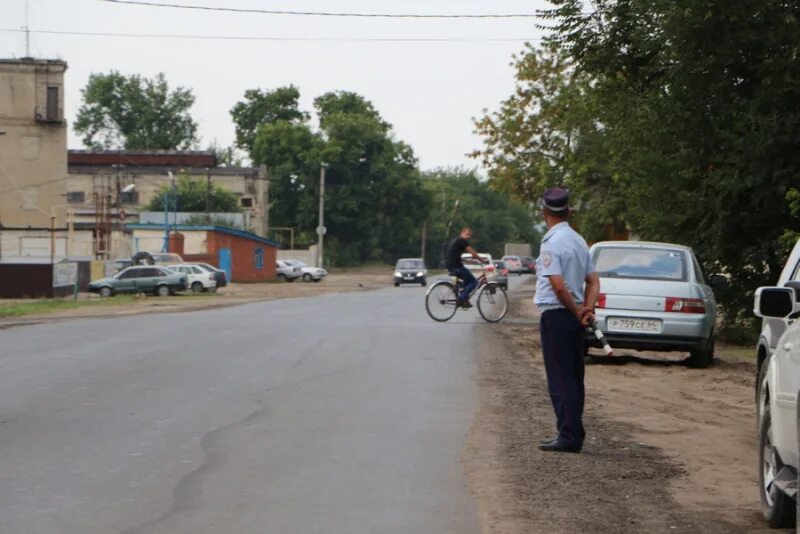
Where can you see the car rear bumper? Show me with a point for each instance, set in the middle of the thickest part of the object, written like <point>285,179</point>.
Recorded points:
<point>679,331</point>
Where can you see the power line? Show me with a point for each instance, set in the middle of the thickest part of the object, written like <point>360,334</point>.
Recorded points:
<point>291,39</point>
<point>328,13</point>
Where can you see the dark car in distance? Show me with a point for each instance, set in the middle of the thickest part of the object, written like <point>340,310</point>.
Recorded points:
<point>410,271</point>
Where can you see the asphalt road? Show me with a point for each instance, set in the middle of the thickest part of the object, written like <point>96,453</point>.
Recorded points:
<point>342,413</point>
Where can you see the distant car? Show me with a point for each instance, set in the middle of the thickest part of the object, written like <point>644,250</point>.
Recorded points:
<point>654,296</point>
<point>220,276</point>
<point>528,264</point>
<point>478,268</point>
<point>502,274</point>
<point>197,278</point>
<point>410,271</point>
<point>140,279</point>
<point>287,271</point>
<point>156,258</point>
<point>309,274</point>
<point>514,264</point>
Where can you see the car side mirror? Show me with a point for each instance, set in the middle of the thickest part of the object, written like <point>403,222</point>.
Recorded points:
<point>718,281</point>
<point>775,302</point>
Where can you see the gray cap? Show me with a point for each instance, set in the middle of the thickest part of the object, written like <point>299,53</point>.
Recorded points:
<point>555,199</point>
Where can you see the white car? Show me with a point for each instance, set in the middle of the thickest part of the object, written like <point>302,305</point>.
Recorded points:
<point>778,392</point>
<point>514,264</point>
<point>287,271</point>
<point>478,268</point>
<point>310,274</point>
<point>197,278</point>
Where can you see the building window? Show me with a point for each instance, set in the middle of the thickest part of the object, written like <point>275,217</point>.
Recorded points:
<point>130,197</point>
<point>259,258</point>
<point>76,197</point>
<point>247,202</point>
<point>52,104</point>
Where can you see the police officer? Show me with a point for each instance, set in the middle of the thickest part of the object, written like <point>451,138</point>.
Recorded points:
<point>563,267</point>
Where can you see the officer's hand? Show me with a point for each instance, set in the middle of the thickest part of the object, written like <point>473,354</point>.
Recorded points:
<point>586,315</point>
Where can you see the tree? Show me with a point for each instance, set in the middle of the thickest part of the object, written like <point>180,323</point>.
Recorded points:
<point>192,195</point>
<point>261,107</point>
<point>136,113</point>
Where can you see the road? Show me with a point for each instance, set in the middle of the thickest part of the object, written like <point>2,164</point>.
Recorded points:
<point>341,413</point>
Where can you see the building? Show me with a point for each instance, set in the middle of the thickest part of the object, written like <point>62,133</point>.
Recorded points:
<point>244,256</point>
<point>107,189</point>
<point>33,157</point>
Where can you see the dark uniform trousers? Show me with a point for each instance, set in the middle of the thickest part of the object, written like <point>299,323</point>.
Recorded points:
<point>563,346</point>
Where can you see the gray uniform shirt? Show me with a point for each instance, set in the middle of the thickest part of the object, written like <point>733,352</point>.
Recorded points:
<point>564,253</point>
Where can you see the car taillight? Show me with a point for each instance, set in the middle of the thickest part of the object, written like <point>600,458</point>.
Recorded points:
<point>682,305</point>
<point>601,300</point>
<point>490,268</point>
<point>505,271</point>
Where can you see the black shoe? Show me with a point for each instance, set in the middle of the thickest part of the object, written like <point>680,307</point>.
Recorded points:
<point>557,446</point>
<point>464,304</point>
<point>547,441</point>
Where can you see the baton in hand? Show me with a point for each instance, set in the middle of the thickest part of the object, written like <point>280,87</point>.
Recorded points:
<point>601,338</point>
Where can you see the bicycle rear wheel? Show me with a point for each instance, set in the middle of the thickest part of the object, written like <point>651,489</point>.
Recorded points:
<point>492,302</point>
<point>440,301</point>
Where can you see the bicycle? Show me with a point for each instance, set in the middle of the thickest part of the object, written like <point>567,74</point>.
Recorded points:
<point>441,299</point>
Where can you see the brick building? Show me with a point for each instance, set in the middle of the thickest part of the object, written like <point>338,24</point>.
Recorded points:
<point>244,256</point>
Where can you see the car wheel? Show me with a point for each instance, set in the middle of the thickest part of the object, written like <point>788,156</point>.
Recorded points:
<point>317,280</point>
<point>778,509</point>
<point>397,284</point>
<point>212,289</point>
<point>423,283</point>
<point>197,287</point>
<point>290,280</point>
<point>162,291</point>
<point>702,357</point>
<point>306,277</point>
<point>281,276</point>
<point>106,292</point>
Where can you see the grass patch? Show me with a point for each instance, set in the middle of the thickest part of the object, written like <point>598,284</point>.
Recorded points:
<point>21,308</point>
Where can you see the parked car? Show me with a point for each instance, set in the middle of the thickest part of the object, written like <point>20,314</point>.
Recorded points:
<point>502,274</point>
<point>220,276</point>
<point>287,271</point>
<point>478,268</point>
<point>156,258</point>
<point>778,392</point>
<point>309,274</point>
<point>528,264</point>
<point>654,296</point>
<point>514,264</point>
<point>140,279</point>
<point>197,278</point>
<point>410,271</point>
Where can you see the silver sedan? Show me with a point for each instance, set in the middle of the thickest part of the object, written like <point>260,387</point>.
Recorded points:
<point>654,296</point>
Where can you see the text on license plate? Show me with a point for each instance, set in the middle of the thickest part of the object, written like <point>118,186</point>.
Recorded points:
<point>634,325</point>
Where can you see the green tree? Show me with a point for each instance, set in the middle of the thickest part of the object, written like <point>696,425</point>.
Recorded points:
<point>261,107</point>
<point>191,196</point>
<point>136,113</point>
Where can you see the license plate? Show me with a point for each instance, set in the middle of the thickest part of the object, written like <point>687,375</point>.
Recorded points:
<point>409,276</point>
<point>633,324</point>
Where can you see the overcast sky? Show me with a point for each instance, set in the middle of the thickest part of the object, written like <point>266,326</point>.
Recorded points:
<point>428,91</point>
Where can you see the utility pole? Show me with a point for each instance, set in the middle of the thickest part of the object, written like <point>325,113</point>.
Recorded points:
<point>208,195</point>
<point>27,33</point>
<point>321,227</point>
<point>52,235</point>
<point>264,177</point>
<point>424,238</point>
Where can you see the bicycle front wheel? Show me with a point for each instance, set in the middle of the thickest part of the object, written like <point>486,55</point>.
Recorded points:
<point>492,302</point>
<point>441,301</point>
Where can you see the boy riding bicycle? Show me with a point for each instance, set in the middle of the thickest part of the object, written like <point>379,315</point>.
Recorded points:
<point>455,266</point>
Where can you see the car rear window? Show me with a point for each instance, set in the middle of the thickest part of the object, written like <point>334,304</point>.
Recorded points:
<point>641,263</point>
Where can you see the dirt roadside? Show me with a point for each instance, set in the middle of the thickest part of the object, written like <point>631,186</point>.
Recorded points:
<point>231,295</point>
<point>669,449</point>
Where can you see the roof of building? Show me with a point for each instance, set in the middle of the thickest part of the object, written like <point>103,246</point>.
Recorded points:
<point>206,228</point>
<point>151,170</point>
<point>34,62</point>
<point>105,158</point>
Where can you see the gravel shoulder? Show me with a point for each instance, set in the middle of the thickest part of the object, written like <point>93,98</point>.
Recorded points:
<point>232,295</point>
<point>669,449</point>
